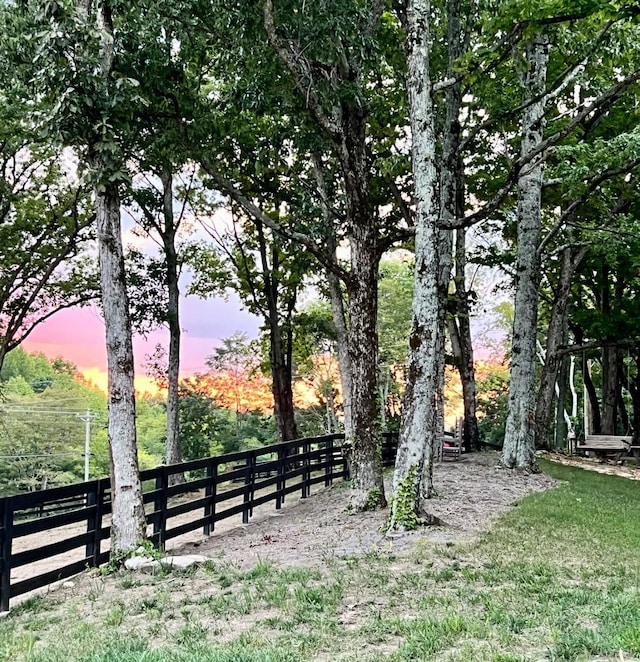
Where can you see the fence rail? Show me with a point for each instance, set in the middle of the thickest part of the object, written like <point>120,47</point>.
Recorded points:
<point>74,520</point>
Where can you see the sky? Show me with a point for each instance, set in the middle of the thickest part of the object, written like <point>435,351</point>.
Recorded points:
<point>77,335</point>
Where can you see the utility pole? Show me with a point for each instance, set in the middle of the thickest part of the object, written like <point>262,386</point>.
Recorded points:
<point>87,417</point>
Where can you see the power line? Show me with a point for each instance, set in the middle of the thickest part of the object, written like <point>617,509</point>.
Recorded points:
<point>75,412</point>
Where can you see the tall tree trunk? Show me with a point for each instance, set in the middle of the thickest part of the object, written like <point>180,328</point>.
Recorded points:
<point>282,387</point>
<point>279,355</point>
<point>519,443</point>
<point>173,453</point>
<point>595,424</point>
<point>561,429</point>
<point>345,126</point>
<point>460,329</point>
<point>342,341</point>
<point>414,460</point>
<point>337,301</point>
<point>609,388</point>
<point>364,442</point>
<point>571,258</point>
<point>128,526</point>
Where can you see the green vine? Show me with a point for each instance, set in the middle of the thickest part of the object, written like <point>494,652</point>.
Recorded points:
<point>403,516</point>
<point>374,499</point>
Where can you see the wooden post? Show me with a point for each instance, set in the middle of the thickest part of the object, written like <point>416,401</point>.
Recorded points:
<point>306,474</point>
<point>210,490</point>
<point>328,458</point>
<point>5,553</point>
<point>92,523</point>
<point>282,470</point>
<point>160,506</point>
<point>248,481</point>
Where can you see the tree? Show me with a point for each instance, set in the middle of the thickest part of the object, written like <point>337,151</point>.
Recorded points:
<point>93,106</point>
<point>519,445</point>
<point>155,281</point>
<point>412,474</point>
<point>267,274</point>
<point>44,228</point>
<point>326,63</point>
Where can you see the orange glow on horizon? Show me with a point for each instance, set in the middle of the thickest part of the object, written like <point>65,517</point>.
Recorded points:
<point>143,384</point>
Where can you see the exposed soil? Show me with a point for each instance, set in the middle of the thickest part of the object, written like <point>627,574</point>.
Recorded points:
<point>471,493</point>
<point>630,471</point>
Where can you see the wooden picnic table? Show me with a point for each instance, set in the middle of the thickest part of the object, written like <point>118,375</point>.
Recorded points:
<point>619,447</point>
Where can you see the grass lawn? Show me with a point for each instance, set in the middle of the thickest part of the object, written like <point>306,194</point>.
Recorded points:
<point>557,578</point>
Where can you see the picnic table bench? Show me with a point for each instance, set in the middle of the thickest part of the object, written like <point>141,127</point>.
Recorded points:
<point>606,445</point>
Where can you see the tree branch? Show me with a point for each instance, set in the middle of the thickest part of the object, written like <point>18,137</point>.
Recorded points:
<point>302,80</point>
<point>227,187</point>
<point>570,211</point>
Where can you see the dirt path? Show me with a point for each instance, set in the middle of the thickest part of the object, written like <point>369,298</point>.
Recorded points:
<point>471,494</point>
<point>593,464</point>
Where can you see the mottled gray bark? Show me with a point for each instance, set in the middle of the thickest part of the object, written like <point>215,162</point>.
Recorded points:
<point>414,461</point>
<point>128,527</point>
<point>609,388</point>
<point>173,453</point>
<point>364,443</point>
<point>519,443</point>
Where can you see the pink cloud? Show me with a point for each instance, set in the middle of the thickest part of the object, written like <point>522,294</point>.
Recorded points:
<point>77,334</point>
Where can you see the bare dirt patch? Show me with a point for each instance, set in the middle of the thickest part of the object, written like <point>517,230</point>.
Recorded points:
<point>471,494</point>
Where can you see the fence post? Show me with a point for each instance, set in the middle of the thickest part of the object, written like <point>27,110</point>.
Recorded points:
<point>211,491</point>
<point>306,473</point>
<point>160,506</point>
<point>282,472</point>
<point>92,523</point>
<point>5,553</point>
<point>328,459</point>
<point>249,478</point>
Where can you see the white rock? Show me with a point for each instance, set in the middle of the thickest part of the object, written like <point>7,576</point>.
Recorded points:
<point>68,584</point>
<point>142,563</point>
<point>183,562</point>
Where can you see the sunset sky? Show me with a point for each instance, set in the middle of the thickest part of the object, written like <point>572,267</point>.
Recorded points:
<point>78,336</point>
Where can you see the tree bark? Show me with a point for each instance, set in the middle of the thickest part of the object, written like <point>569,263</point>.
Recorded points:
<point>364,442</point>
<point>609,388</point>
<point>173,453</point>
<point>280,353</point>
<point>571,258</point>
<point>414,460</point>
<point>128,526</point>
<point>342,342</point>
<point>337,306</point>
<point>462,345</point>
<point>561,429</point>
<point>519,444</point>
<point>344,127</point>
<point>594,424</point>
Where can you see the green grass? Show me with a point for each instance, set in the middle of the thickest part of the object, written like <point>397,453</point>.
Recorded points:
<point>557,578</point>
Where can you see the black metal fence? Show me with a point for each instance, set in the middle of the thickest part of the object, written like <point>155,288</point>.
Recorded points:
<point>69,527</point>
